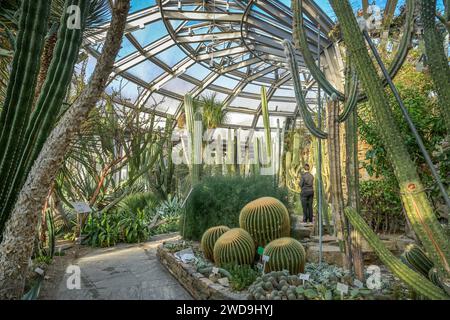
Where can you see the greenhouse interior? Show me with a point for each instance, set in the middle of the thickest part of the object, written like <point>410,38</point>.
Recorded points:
<point>224,150</point>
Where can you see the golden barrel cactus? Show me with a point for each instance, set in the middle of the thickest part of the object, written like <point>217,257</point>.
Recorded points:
<point>209,239</point>
<point>234,246</point>
<point>285,254</point>
<point>266,219</point>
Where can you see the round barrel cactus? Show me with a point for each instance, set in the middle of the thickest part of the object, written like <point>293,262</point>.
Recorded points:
<point>266,219</point>
<point>234,246</point>
<point>209,239</point>
<point>285,254</point>
<point>416,259</point>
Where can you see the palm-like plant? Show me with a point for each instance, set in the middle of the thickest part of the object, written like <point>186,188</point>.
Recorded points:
<point>213,112</point>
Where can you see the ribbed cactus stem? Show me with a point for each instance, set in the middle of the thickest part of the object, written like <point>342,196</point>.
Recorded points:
<point>299,96</point>
<point>20,92</point>
<point>234,246</point>
<point>197,149</point>
<point>437,58</point>
<point>416,258</point>
<point>285,254</point>
<point>417,206</point>
<point>351,91</point>
<point>266,219</point>
<point>266,122</point>
<point>301,43</point>
<point>209,239</point>
<point>415,280</point>
<point>296,149</point>
<point>230,152</point>
<point>50,99</point>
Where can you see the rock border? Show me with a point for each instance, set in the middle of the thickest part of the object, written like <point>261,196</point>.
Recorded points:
<point>199,286</point>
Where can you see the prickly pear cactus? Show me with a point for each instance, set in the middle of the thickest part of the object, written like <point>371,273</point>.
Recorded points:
<point>285,254</point>
<point>234,246</point>
<point>266,219</point>
<point>209,239</point>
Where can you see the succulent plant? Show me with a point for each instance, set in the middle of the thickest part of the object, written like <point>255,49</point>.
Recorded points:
<point>234,246</point>
<point>266,219</point>
<point>209,239</point>
<point>415,258</point>
<point>285,254</point>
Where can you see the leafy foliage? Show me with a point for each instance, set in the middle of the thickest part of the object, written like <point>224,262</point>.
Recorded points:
<point>381,206</point>
<point>218,201</point>
<point>242,276</point>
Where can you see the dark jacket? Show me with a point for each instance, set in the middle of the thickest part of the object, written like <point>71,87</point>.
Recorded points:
<point>307,183</point>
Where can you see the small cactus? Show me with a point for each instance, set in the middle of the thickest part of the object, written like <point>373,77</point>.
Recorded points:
<point>234,246</point>
<point>285,254</point>
<point>415,258</point>
<point>266,219</point>
<point>209,239</point>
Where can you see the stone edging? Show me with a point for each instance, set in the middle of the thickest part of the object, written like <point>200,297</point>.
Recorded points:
<point>199,286</point>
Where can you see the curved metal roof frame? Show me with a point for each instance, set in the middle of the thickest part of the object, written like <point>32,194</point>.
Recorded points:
<point>239,40</point>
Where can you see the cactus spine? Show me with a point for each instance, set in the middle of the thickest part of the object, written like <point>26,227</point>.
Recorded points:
<point>234,246</point>
<point>437,58</point>
<point>417,206</point>
<point>209,239</point>
<point>415,280</point>
<point>266,219</point>
<point>285,254</point>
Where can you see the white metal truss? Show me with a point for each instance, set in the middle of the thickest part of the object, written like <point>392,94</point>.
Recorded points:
<point>239,40</point>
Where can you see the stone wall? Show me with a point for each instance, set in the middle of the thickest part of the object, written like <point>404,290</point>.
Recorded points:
<point>199,286</point>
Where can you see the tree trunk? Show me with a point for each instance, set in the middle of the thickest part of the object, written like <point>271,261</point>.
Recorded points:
<point>414,198</point>
<point>17,245</point>
<point>337,196</point>
<point>352,168</point>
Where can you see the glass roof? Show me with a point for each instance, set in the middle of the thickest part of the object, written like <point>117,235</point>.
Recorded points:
<point>231,47</point>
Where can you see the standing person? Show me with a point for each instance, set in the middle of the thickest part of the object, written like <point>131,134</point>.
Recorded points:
<point>307,194</point>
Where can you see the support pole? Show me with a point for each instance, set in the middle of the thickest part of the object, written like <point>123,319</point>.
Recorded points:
<point>319,159</point>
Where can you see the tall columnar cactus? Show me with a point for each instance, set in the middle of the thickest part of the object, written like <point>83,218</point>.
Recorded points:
<point>234,246</point>
<point>209,239</point>
<point>193,121</point>
<point>415,280</point>
<point>300,40</point>
<point>436,57</point>
<point>18,102</point>
<point>414,198</point>
<point>285,254</point>
<point>416,258</point>
<point>266,122</point>
<point>266,219</point>
<point>50,100</point>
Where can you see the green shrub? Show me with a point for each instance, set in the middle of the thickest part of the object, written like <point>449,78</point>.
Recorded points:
<point>381,206</point>
<point>218,201</point>
<point>135,201</point>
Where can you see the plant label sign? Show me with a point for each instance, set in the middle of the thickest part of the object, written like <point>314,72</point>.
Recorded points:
<point>358,283</point>
<point>81,207</point>
<point>215,270</point>
<point>260,266</point>
<point>342,288</point>
<point>265,258</point>
<point>304,276</point>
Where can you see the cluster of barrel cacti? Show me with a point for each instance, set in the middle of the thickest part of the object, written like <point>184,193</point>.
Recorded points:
<point>263,222</point>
